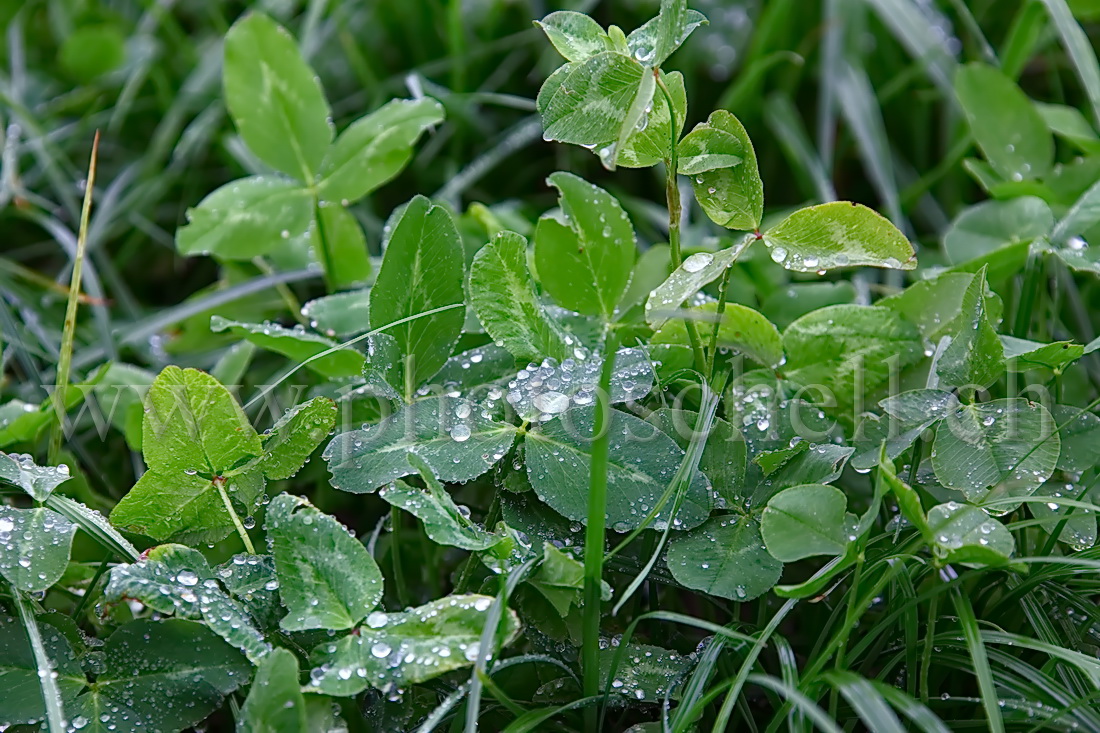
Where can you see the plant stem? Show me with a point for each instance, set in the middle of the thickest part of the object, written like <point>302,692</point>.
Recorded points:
<point>283,290</point>
<point>65,358</point>
<point>717,322</point>
<point>395,557</point>
<point>322,237</point>
<point>595,532</point>
<point>675,209</point>
<point>219,483</point>
<point>51,695</point>
<point>1028,292</point>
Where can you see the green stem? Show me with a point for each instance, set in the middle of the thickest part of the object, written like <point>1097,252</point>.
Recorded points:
<point>326,253</point>
<point>395,556</point>
<point>595,532</point>
<point>717,322</point>
<point>65,358</point>
<point>283,290</point>
<point>1028,292</point>
<point>91,587</point>
<point>219,483</point>
<point>675,209</point>
<point>51,695</point>
<point>929,643</point>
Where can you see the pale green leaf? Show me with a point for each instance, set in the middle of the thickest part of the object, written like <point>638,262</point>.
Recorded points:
<point>688,279</point>
<point>375,148</point>
<point>1023,355</point>
<point>341,315</point>
<point>1009,130</point>
<point>990,225</point>
<point>655,40</point>
<point>246,218</point>
<point>575,35</point>
<point>1078,526</point>
<point>740,329</point>
<point>503,296</point>
<point>327,579</point>
<point>275,703</point>
<point>933,305</point>
<point>586,103</point>
<point>585,252</point>
<point>291,440</point>
<point>650,141</point>
<point>721,161</point>
<point>1080,438</point>
<point>274,98</point>
<point>838,234</point>
<point>297,344</point>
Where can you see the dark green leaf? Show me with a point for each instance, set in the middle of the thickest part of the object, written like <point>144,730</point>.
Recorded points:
<point>298,345</point>
<point>422,270</point>
<point>724,557</point>
<point>275,703</point>
<point>34,547</point>
<point>806,520</point>
<point>291,441</point>
<point>974,357</point>
<point>338,242</point>
<point>327,579</point>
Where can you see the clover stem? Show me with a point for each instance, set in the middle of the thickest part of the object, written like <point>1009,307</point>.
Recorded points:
<point>717,322</point>
<point>675,208</point>
<point>219,483</point>
<point>595,531</point>
<point>322,237</point>
<point>47,678</point>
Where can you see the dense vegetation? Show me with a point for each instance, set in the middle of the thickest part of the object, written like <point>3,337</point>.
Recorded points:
<point>656,368</point>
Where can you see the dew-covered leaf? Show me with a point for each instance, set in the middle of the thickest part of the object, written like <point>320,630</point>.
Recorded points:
<point>1078,526</point>
<point>327,579</point>
<point>34,547</point>
<point>292,440</point>
<point>19,469</point>
<point>908,415</point>
<point>275,703</point>
<point>585,251</point>
<point>843,346</point>
<point>444,522</point>
<point>724,557</point>
<point>819,463</point>
<point>907,498</point>
<point>274,98</point>
<point>587,102</point>
<point>646,673</point>
<point>159,675</point>
<point>560,579</point>
<point>990,225</point>
<point>1006,445</point>
<point>21,694</point>
<point>1022,355</point>
<point>194,435</point>
<point>723,459</point>
<point>838,234</point>
<point>504,298</point>
<point>338,242</point>
<point>422,270</point>
<point>1005,124</point>
<point>575,35</point>
<point>964,533</point>
<point>642,463</point>
<point>741,330</point>
<point>246,218</point>
<point>933,305</point>
<point>651,140</point>
<point>539,392</point>
<point>451,435</point>
<point>806,520</point>
<point>719,158</point>
<point>480,367</point>
<point>974,357</point>
<point>340,315</point>
<point>298,345</point>
<point>393,650</point>
<point>375,148</point>
<point>1079,436</point>
<point>655,40</point>
<point>688,279</point>
<point>173,579</point>
<point>251,580</point>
